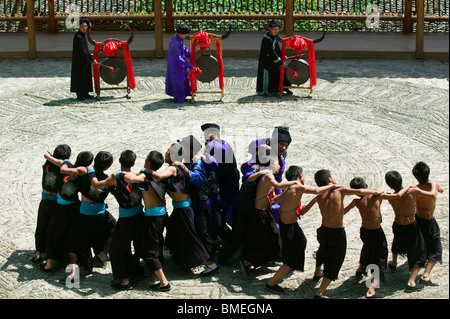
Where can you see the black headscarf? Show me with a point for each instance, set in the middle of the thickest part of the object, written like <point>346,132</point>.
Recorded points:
<point>183,28</point>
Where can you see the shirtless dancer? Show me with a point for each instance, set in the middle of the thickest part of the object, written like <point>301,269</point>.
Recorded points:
<point>292,236</point>
<point>374,250</point>
<point>154,216</point>
<point>331,234</point>
<point>185,245</point>
<point>407,236</point>
<point>263,242</point>
<point>429,227</point>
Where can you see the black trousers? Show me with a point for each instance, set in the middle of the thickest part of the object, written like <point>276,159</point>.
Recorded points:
<point>45,212</point>
<point>58,230</point>
<point>374,250</point>
<point>263,243</point>
<point>332,249</point>
<point>90,231</point>
<point>408,240</point>
<point>151,235</point>
<point>185,245</point>
<point>126,232</point>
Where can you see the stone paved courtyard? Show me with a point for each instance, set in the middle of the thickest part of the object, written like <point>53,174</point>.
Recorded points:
<point>366,117</point>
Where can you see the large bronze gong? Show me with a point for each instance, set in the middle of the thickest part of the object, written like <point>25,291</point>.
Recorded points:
<point>210,68</point>
<point>113,70</point>
<point>302,69</point>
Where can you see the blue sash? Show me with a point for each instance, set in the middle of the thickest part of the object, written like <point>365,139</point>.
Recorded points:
<point>128,212</point>
<point>92,208</point>
<point>182,204</point>
<point>155,211</point>
<point>48,196</point>
<point>62,201</point>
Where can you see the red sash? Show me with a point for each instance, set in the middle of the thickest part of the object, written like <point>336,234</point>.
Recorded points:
<point>202,39</point>
<point>109,49</point>
<point>298,43</point>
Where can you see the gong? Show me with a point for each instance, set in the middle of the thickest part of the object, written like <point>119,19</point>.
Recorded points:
<point>113,70</point>
<point>302,69</point>
<point>210,68</point>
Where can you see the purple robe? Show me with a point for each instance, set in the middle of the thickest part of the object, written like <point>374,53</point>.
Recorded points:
<point>252,149</point>
<point>177,76</point>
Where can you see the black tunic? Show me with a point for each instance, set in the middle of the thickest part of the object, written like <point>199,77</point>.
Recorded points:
<point>81,74</point>
<point>268,67</point>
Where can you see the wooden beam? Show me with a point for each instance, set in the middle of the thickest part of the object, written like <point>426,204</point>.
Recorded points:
<point>420,28</point>
<point>31,29</point>
<point>170,27</point>
<point>159,44</point>
<point>289,20</point>
<point>408,24</point>
<point>51,14</point>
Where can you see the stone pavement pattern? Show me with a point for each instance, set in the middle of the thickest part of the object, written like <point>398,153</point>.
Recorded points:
<point>367,117</point>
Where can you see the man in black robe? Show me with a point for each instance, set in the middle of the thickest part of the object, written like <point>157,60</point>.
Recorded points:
<point>269,63</point>
<point>81,74</point>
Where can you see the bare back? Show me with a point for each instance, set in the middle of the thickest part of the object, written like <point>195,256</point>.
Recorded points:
<point>151,198</point>
<point>425,205</point>
<point>289,202</point>
<point>262,192</point>
<point>331,205</point>
<point>369,209</point>
<point>404,208</point>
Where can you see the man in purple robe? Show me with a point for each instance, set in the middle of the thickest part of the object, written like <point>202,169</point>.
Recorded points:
<point>279,143</point>
<point>177,76</point>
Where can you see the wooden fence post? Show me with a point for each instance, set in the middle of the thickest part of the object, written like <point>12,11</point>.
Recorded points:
<point>420,26</point>
<point>169,16</point>
<point>159,44</point>
<point>31,30</point>
<point>289,18</point>
<point>407,19</point>
<point>51,14</point>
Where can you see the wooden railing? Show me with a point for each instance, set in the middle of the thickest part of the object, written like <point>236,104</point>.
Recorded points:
<point>164,14</point>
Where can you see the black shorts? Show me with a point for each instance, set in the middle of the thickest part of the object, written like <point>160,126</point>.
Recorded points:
<point>183,241</point>
<point>408,240</point>
<point>375,248</point>
<point>332,249</point>
<point>263,243</point>
<point>293,246</point>
<point>432,237</point>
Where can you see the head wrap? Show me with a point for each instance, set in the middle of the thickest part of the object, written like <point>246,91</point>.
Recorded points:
<point>183,28</point>
<point>210,126</point>
<point>282,134</point>
<point>274,23</point>
<point>190,144</point>
<point>88,22</point>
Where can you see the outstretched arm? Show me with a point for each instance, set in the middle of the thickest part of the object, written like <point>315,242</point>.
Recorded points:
<point>350,206</point>
<point>359,192</point>
<point>64,168</point>
<point>53,160</point>
<point>395,195</point>
<point>318,190</point>
<point>131,177</point>
<point>281,185</point>
<point>168,172</point>
<point>432,193</point>
<point>308,206</point>
<point>109,181</point>
<point>277,198</point>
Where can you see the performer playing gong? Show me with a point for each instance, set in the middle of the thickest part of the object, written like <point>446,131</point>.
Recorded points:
<point>81,74</point>
<point>177,75</point>
<point>270,62</point>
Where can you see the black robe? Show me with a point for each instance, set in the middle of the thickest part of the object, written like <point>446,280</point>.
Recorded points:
<point>81,74</point>
<point>268,67</point>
